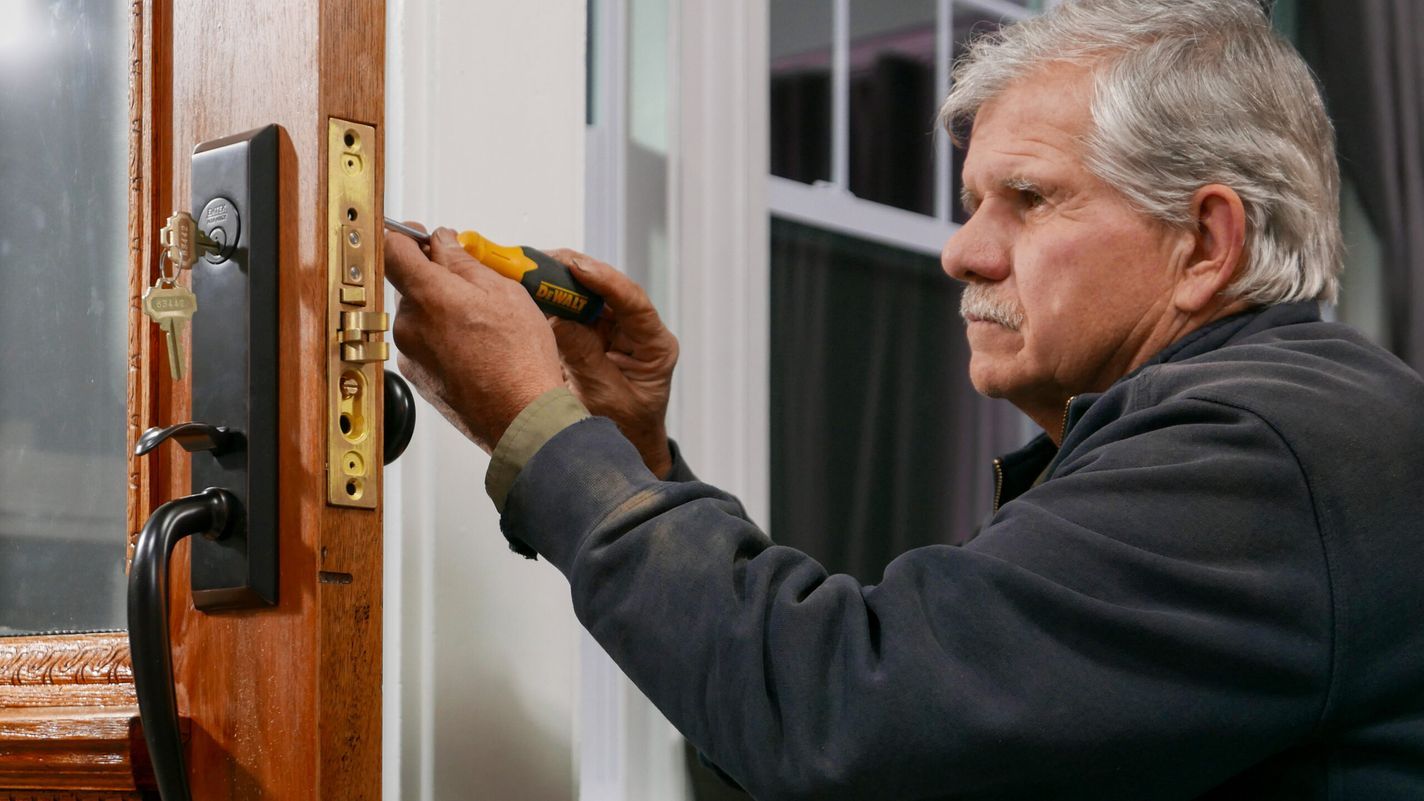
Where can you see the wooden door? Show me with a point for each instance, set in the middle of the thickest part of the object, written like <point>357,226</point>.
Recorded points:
<point>280,702</point>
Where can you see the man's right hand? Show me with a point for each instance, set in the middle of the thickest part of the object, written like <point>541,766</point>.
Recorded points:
<point>620,367</point>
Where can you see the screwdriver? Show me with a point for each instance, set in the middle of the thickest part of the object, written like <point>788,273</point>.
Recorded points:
<point>549,282</point>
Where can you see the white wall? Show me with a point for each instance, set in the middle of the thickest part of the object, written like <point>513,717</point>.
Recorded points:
<point>484,126</point>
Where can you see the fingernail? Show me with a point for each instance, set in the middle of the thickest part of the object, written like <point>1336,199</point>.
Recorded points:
<point>578,266</point>
<point>444,235</point>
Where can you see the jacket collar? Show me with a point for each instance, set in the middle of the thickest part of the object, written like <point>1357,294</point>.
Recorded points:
<point>1220,333</point>
<point>1015,473</point>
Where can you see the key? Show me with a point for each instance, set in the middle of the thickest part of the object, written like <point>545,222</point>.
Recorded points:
<point>184,242</point>
<point>178,238</point>
<point>171,307</point>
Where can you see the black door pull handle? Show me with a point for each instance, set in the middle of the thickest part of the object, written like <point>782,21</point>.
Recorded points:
<point>235,180</point>
<point>213,513</point>
<point>400,417</point>
<point>193,437</point>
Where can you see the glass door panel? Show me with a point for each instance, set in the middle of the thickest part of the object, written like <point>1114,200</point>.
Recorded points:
<point>64,128</point>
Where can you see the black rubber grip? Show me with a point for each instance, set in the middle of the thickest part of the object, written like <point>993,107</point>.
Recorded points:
<point>557,292</point>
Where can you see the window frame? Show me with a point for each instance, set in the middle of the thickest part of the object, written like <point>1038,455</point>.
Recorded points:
<point>830,204</point>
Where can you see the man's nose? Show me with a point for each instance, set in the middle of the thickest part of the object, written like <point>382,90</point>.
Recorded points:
<point>977,251</point>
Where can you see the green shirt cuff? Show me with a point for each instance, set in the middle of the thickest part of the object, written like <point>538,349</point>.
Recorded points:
<point>549,414</point>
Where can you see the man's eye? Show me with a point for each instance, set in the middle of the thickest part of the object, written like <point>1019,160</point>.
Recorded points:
<point>1030,198</point>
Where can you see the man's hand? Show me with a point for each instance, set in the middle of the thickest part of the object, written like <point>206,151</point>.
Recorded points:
<point>621,367</point>
<point>472,341</point>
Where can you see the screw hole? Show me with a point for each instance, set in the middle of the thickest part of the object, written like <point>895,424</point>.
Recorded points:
<point>350,139</point>
<point>346,424</point>
<point>351,215</point>
<point>351,488</point>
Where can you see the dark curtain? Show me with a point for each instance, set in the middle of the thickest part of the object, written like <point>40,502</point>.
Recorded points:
<point>1369,56</point>
<point>892,118</point>
<point>879,443</point>
<point>801,125</point>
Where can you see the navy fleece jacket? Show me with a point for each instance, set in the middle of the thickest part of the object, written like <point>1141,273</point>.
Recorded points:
<point>1215,594</point>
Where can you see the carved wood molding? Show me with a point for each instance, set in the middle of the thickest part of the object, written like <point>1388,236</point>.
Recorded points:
<point>50,795</point>
<point>70,659</point>
<point>140,395</point>
<point>74,671</point>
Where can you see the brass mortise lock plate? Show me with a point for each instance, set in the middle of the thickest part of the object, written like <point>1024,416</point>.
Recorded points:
<point>355,323</point>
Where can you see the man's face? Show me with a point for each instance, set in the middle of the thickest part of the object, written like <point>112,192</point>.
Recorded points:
<point>1068,287</point>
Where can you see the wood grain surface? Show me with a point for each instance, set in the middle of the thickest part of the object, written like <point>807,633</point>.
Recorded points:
<point>285,703</point>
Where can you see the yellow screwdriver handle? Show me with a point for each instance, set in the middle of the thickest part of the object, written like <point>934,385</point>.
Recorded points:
<point>509,262</point>
<point>548,281</point>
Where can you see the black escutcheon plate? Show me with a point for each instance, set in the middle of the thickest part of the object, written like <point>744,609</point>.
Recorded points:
<point>235,351</point>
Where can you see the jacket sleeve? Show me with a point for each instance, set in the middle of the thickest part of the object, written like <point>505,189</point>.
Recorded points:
<point>1150,621</point>
<point>680,471</point>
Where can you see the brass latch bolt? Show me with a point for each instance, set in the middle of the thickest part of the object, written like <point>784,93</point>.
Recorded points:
<point>359,335</point>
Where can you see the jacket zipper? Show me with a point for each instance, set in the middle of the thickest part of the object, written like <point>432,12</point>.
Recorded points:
<point>998,483</point>
<point>999,463</point>
<point>1063,429</point>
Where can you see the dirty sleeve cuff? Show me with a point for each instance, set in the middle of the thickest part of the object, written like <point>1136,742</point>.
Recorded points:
<point>549,414</point>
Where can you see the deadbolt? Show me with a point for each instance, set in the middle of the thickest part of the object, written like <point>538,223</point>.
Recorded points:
<point>221,222</point>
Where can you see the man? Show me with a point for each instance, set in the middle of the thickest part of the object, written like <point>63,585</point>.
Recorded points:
<point>1201,582</point>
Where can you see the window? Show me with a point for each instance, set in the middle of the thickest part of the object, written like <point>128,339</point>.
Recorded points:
<point>878,442</point>
<point>855,90</point>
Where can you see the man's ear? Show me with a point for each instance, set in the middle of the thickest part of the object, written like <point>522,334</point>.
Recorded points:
<point>1219,243</point>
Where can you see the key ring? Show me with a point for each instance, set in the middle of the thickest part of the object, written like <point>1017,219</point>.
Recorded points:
<point>164,278</point>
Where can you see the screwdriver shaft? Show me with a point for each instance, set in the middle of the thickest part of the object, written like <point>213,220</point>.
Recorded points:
<point>416,234</point>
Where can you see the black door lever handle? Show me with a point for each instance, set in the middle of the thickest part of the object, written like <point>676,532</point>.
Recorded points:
<point>192,436</point>
<point>213,513</point>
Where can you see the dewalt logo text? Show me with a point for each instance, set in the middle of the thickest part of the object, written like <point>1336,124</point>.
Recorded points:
<point>559,296</point>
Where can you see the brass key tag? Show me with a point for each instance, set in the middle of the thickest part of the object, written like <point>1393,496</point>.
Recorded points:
<point>171,306</point>
<point>184,242</point>
<point>179,238</point>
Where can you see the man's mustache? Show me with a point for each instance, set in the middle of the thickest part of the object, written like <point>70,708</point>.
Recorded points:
<point>979,303</point>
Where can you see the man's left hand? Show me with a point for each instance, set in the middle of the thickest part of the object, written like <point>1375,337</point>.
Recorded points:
<point>472,341</point>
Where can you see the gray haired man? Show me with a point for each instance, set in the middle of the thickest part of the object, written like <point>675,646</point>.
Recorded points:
<point>1200,582</point>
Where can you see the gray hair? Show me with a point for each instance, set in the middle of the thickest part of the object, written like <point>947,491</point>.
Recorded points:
<point>1189,93</point>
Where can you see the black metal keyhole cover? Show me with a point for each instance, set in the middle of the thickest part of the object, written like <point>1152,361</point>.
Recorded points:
<point>221,221</point>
